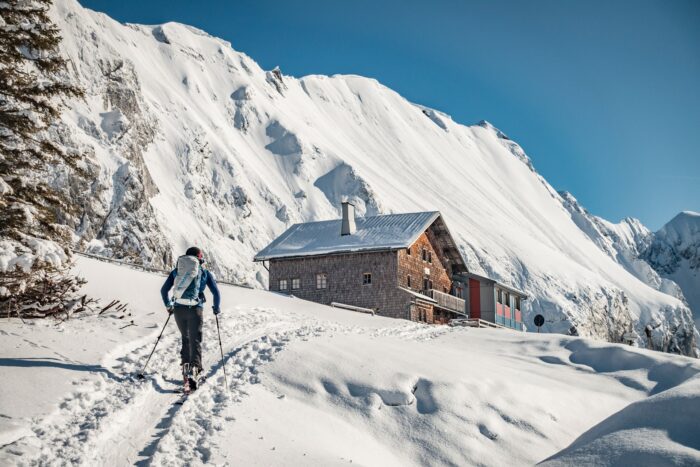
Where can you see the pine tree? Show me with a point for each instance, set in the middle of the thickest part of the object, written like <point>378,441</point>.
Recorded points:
<point>35,251</point>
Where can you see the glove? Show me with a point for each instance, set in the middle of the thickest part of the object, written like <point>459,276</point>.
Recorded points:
<point>217,310</point>
<point>170,309</point>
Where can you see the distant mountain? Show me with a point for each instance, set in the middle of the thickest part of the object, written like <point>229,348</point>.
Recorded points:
<point>674,253</point>
<point>668,260</point>
<point>191,142</point>
<point>626,243</point>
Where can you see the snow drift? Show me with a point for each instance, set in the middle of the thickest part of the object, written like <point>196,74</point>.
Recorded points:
<point>193,143</point>
<point>314,385</point>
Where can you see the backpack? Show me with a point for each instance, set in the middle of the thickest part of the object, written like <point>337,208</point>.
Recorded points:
<point>188,277</point>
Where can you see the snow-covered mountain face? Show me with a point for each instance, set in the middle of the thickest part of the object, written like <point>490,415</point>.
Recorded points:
<point>675,253</point>
<point>667,260</point>
<point>193,143</point>
<point>626,243</point>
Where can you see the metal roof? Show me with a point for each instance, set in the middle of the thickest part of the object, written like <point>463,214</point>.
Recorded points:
<point>375,233</point>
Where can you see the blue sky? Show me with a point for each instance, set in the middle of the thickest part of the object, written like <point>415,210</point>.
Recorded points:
<point>603,96</point>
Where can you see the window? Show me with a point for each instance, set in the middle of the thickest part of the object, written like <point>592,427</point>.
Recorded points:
<point>283,284</point>
<point>408,251</point>
<point>424,254</point>
<point>296,283</point>
<point>444,290</point>
<point>425,284</point>
<point>517,303</point>
<point>500,296</point>
<point>506,298</point>
<point>430,285</point>
<point>367,278</point>
<point>430,257</point>
<point>408,281</point>
<point>321,280</point>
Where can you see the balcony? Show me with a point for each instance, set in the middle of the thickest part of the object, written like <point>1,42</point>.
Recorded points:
<point>446,301</point>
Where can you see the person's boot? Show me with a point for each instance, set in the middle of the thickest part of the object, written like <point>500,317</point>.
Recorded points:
<point>194,378</point>
<point>186,377</point>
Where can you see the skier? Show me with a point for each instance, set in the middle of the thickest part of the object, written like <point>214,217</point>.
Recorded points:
<point>189,279</point>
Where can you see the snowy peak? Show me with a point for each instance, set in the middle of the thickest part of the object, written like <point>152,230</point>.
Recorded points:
<point>676,243</point>
<point>682,230</point>
<point>511,145</point>
<point>627,238</point>
<point>668,260</point>
<point>675,254</point>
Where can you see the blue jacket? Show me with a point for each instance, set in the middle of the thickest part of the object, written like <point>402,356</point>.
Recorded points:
<point>207,281</point>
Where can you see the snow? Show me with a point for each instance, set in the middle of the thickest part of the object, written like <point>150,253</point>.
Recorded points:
<point>15,255</point>
<point>682,227</point>
<point>659,430</point>
<point>675,254</point>
<point>314,385</point>
<point>114,123</point>
<point>227,156</point>
<point>688,279</point>
<point>392,231</point>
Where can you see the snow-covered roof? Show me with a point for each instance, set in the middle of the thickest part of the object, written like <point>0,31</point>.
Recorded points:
<point>385,232</point>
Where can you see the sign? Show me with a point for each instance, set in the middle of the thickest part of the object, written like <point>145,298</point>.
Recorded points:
<point>539,321</point>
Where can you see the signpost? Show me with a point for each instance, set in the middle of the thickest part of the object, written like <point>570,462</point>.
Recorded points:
<point>539,321</point>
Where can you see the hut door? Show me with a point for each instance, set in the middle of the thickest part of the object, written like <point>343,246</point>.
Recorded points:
<point>419,313</point>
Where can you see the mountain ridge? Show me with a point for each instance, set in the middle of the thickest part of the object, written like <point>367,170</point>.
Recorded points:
<point>191,141</point>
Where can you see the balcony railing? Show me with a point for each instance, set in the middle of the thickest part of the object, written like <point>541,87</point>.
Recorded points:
<point>447,301</point>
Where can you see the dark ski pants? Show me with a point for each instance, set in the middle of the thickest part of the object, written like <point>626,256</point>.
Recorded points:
<point>189,322</point>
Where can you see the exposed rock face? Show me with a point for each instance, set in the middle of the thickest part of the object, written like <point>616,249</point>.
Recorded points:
<point>113,125</point>
<point>192,142</point>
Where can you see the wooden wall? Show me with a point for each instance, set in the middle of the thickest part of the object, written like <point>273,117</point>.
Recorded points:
<point>414,266</point>
<point>345,274</point>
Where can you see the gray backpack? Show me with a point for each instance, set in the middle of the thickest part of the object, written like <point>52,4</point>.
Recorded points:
<point>188,276</point>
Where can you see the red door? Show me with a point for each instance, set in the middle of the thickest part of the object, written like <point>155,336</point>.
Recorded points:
<point>474,298</point>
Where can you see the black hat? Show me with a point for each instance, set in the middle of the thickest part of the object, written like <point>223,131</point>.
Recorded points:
<point>194,251</point>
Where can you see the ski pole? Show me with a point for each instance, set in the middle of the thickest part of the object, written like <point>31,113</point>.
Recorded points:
<point>141,375</point>
<point>221,347</point>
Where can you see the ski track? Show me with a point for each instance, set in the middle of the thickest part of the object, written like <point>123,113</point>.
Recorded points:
<point>115,419</point>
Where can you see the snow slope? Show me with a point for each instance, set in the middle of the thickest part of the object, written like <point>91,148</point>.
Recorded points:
<point>192,142</point>
<point>313,385</point>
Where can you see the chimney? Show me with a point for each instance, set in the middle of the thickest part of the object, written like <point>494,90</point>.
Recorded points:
<point>348,224</point>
